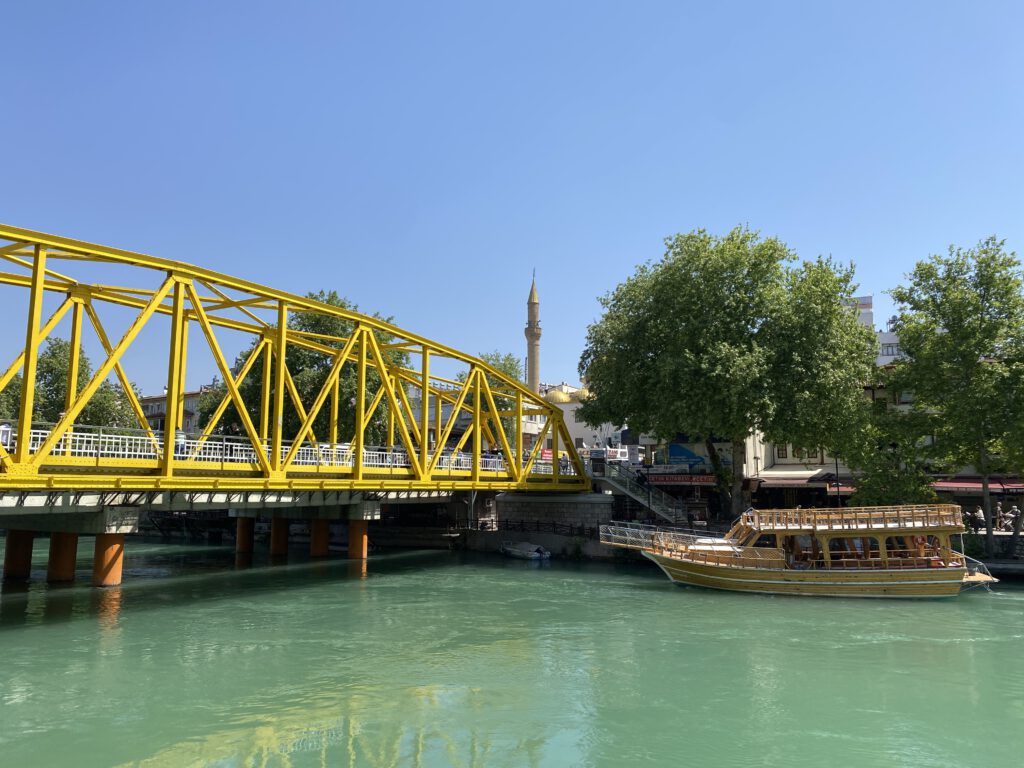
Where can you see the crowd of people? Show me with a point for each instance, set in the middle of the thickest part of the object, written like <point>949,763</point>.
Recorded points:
<point>1002,520</point>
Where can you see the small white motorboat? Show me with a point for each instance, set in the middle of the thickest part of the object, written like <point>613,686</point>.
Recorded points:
<point>524,550</point>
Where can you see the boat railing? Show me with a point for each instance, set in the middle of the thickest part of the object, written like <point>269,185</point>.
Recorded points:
<point>652,537</point>
<point>849,518</point>
<point>740,557</point>
<point>975,566</point>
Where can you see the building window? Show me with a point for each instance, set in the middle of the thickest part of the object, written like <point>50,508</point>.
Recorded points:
<point>781,452</point>
<point>891,350</point>
<point>806,455</point>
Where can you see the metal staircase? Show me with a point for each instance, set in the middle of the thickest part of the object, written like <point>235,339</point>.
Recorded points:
<point>660,503</point>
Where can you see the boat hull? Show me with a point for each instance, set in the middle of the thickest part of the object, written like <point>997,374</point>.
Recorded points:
<point>917,582</point>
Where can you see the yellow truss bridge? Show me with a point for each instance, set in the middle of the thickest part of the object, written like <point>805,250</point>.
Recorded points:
<point>396,412</point>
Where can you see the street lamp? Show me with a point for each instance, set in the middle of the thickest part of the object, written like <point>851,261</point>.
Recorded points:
<point>839,499</point>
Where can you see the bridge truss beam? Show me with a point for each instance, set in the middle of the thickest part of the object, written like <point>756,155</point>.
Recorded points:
<point>403,428</point>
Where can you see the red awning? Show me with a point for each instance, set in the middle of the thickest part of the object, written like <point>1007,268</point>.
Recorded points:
<point>973,487</point>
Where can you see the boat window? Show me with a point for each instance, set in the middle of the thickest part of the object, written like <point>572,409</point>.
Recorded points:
<point>800,548</point>
<point>896,546</point>
<point>853,548</point>
<point>765,540</point>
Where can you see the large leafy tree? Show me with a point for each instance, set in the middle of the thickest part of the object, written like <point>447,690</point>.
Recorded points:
<point>722,337</point>
<point>309,370</point>
<point>108,407</point>
<point>961,327</point>
<point>890,452</point>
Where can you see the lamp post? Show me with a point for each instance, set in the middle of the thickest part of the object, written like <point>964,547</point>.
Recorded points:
<point>839,499</point>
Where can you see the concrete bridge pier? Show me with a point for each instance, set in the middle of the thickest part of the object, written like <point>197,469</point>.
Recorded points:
<point>279,536</point>
<point>109,525</point>
<point>319,537</point>
<point>245,535</point>
<point>60,567</point>
<point>108,560</point>
<point>18,554</point>
<point>359,518</point>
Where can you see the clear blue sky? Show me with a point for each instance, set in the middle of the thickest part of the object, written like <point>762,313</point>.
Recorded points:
<point>423,158</point>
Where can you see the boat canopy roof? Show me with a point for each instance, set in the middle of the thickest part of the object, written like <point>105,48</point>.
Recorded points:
<point>905,517</point>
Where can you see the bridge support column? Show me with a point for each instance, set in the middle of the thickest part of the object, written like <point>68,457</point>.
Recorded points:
<point>245,535</point>
<point>18,555</point>
<point>279,536</point>
<point>108,560</point>
<point>319,536</point>
<point>358,541</point>
<point>63,552</point>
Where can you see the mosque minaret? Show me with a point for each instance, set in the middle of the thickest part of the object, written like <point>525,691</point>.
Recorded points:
<point>533,339</point>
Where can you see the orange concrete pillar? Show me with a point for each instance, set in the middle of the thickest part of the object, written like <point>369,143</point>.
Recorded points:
<point>358,541</point>
<point>279,536</point>
<point>108,560</point>
<point>319,535</point>
<point>63,553</point>
<point>245,535</point>
<point>18,555</point>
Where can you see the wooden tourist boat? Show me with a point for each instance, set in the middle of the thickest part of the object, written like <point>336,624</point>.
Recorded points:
<point>900,551</point>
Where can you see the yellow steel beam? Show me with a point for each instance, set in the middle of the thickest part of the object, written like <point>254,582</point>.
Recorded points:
<point>33,337</point>
<point>229,382</point>
<point>237,297</point>
<point>394,409</point>
<point>321,398</point>
<point>122,376</point>
<point>94,384</point>
<point>222,406</point>
<point>281,368</point>
<point>175,363</point>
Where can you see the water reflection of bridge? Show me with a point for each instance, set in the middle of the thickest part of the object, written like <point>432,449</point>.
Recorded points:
<point>395,412</point>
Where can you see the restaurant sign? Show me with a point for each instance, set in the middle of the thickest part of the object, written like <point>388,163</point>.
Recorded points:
<point>667,479</point>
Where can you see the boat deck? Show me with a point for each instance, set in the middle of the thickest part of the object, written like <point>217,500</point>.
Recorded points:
<point>907,517</point>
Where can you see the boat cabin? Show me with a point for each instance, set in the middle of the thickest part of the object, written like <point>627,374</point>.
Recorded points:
<point>856,537</point>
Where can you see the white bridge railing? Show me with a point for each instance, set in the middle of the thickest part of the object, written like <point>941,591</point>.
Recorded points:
<point>96,443</point>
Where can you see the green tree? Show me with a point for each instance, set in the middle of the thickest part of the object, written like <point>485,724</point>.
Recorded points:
<point>890,454</point>
<point>10,399</point>
<point>961,327</point>
<point>309,370</point>
<point>720,338</point>
<point>108,407</point>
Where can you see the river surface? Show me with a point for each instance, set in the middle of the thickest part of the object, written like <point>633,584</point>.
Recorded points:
<point>449,659</point>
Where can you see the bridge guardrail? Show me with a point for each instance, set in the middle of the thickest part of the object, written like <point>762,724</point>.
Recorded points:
<point>127,444</point>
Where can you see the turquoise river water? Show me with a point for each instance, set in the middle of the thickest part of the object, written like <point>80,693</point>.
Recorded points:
<point>453,659</point>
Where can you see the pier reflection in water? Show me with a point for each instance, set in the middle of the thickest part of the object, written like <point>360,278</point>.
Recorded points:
<point>441,659</point>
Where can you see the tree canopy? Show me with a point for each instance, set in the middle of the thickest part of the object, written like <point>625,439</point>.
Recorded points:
<point>961,329</point>
<point>722,337</point>
<point>309,371</point>
<point>108,407</point>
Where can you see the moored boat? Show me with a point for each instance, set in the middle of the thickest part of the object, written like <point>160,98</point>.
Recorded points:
<point>896,551</point>
<point>524,550</point>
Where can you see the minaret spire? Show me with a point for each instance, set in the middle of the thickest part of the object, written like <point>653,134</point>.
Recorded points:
<point>532,333</point>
